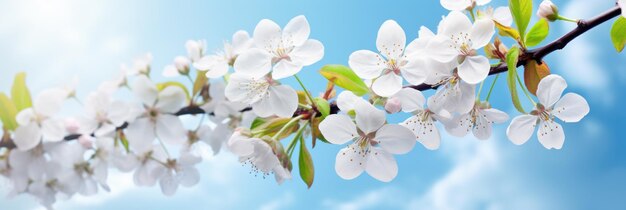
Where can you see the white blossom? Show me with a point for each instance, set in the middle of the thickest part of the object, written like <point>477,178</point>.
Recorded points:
<point>479,120</point>
<point>195,49</point>
<point>422,123</point>
<point>548,10</point>
<point>180,67</point>
<point>217,65</point>
<point>259,154</point>
<point>37,123</point>
<point>458,5</point>
<point>266,95</point>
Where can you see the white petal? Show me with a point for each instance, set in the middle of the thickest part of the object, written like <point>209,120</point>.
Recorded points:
<point>346,100</point>
<point>254,62</point>
<point>170,71</point>
<point>454,24</point>
<point>481,33</point>
<point>267,34</point>
<point>170,129</point>
<point>338,129</point>
<point>191,177</point>
<point>381,165</point>
<point>218,137</point>
<point>425,132</point>
<point>521,128</point>
<point>52,130</point>
<point>456,5</point>
<point>474,69</point>
<point>387,85</point>
<point>416,71</point>
<point>410,99</point>
<point>27,136</point>
<point>308,53</point>
<point>482,129</point>
<point>237,89</point>
<point>366,64</point>
<point>118,113</point>
<point>495,115</point>
<point>145,90</point>
<point>241,42</point>
<point>395,139</point>
<point>550,89</point>
<point>571,108</point>
<point>482,2</point>
<point>49,101</point>
<point>349,164</point>
<point>439,49</point>
<point>170,99</point>
<point>368,117</point>
<point>285,68</point>
<point>168,184</point>
<point>25,116</point>
<point>297,30</point>
<point>140,135</point>
<point>215,66</point>
<point>458,126</point>
<point>391,40</point>
<point>503,16</point>
<point>240,145</point>
<point>550,135</point>
<point>282,101</point>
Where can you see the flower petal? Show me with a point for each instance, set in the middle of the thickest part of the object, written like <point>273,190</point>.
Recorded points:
<point>285,68</point>
<point>266,34</point>
<point>241,88</point>
<point>308,53</point>
<point>550,89</point>
<point>503,16</point>
<point>521,128</point>
<point>170,71</point>
<point>255,62</point>
<point>425,131</point>
<point>366,64</point>
<point>391,40</point>
<point>454,24</point>
<point>297,30</point>
<point>140,135</point>
<point>170,99</point>
<point>338,129</point>
<point>410,99</point>
<point>190,177</point>
<point>368,117</point>
<point>387,85</point>
<point>482,128</point>
<point>416,71</point>
<point>474,69</point>
<point>49,101</point>
<point>439,49</point>
<point>282,101</point>
<point>496,116</point>
<point>52,130</point>
<point>168,184</point>
<point>550,135</point>
<point>349,164</point>
<point>381,165</point>
<point>241,41</point>
<point>170,129</point>
<point>145,90</point>
<point>27,136</point>
<point>571,108</point>
<point>215,66</point>
<point>347,100</point>
<point>456,5</point>
<point>25,116</point>
<point>395,139</point>
<point>482,32</point>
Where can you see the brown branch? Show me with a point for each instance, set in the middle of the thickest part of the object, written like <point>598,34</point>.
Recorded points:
<point>536,54</point>
<point>539,53</point>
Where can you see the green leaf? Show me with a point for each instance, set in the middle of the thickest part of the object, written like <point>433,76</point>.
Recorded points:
<point>257,122</point>
<point>124,141</point>
<point>507,31</point>
<point>344,77</point>
<point>511,60</point>
<point>201,80</point>
<point>522,11</point>
<point>537,33</point>
<point>305,163</point>
<point>8,111</point>
<point>19,92</point>
<point>618,34</point>
<point>161,86</point>
<point>322,106</point>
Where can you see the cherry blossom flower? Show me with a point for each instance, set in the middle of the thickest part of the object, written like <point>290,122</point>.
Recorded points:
<point>27,165</point>
<point>283,52</point>
<point>141,65</point>
<point>422,123</point>
<point>453,94</point>
<point>346,101</point>
<point>195,49</point>
<point>622,3</point>
<point>501,15</point>
<point>548,10</point>
<point>266,95</point>
<point>259,154</point>
<point>458,5</point>
<point>102,114</point>
<point>156,119</point>
<point>77,174</point>
<point>217,65</point>
<point>459,40</point>
<point>569,108</point>
<point>392,64</point>
<point>374,143</point>
<point>180,67</point>
<point>36,123</point>
<point>479,120</point>
<point>148,162</point>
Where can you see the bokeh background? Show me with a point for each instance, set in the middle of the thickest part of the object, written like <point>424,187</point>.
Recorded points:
<point>55,40</point>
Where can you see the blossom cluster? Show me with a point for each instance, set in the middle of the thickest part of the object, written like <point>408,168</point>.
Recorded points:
<point>245,109</point>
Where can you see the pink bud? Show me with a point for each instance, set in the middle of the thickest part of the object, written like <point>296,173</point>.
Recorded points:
<point>393,105</point>
<point>86,141</point>
<point>72,125</point>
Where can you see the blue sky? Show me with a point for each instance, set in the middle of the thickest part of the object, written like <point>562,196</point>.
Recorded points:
<point>55,41</point>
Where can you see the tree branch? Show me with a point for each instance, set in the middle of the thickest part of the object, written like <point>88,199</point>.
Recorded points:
<point>536,54</point>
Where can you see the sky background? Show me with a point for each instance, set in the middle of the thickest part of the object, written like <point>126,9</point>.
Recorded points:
<point>55,40</point>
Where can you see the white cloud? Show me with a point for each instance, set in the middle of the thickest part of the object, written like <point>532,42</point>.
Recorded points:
<point>282,202</point>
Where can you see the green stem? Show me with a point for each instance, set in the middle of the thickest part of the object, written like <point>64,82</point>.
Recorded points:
<point>472,14</point>
<point>480,89</point>
<point>493,84</point>
<point>292,144</point>
<point>566,19</point>
<point>304,88</point>
<point>525,91</point>
<point>189,78</point>
<point>164,148</point>
<point>288,125</point>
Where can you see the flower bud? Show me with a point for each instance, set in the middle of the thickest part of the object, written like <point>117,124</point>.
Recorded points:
<point>393,105</point>
<point>548,10</point>
<point>86,141</point>
<point>182,64</point>
<point>72,125</point>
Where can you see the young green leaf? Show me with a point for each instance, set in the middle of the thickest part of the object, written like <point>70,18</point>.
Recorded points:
<point>201,80</point>
<point>344,77</point>
<point>511,61</point>
<point>305,163</point>
<point>537,33</point>
<point>522,11</point>
<point>507,31</point>
<point>618,34</point>
<point>19,92</point>
<point>163,85</point>
<point>322,106</point>
<point>7,112</point>
<point>257,122</point>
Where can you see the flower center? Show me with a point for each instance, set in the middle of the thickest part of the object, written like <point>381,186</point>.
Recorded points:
<point>393,66</point>
<point>463,44</point>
